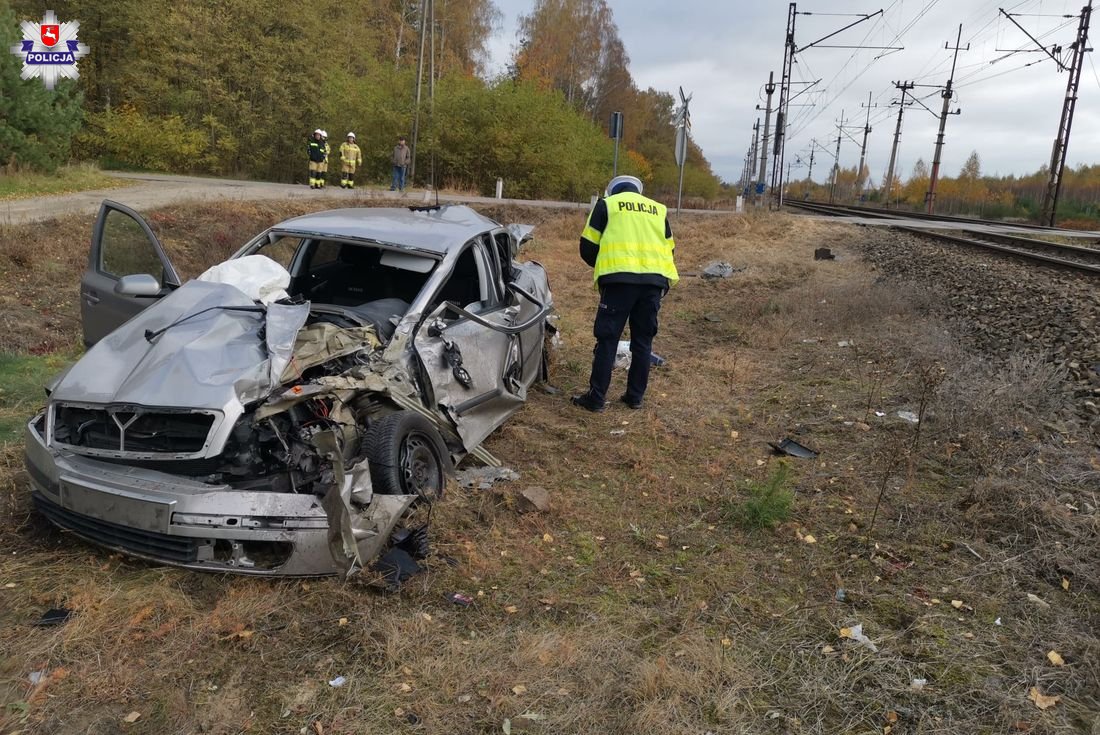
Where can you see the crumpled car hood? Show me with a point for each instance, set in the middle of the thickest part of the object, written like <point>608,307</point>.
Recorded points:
<point>210,360</point>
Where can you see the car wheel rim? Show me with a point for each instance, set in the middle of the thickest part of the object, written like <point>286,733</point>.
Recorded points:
<point>421,470</point>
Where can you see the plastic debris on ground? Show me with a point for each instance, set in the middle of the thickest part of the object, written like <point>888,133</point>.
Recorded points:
<point>482,478</point>
<point>792,448</point>
<point>460,599</point>
<point>338,682</point>
<point>623,356</point>
<point>845,343</point>
<point>396,566</point>
<point>855,633</point>
<point>824,254</point>
<point>908,416</point>
<point>918,684</point>
<point>54,616</point>
<point>36,676</point>
<point>719,269</point>
<point>414,541</point>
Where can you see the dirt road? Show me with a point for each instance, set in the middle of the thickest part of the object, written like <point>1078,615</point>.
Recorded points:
<point>157,190</point>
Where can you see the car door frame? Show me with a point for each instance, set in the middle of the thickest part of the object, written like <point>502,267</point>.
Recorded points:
<point>478,409</point>
<point>99,288</point>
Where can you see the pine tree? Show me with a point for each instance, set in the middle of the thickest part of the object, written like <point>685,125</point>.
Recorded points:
<point>36,125</point>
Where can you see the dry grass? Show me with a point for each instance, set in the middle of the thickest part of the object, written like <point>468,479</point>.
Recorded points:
<point>633,607</point>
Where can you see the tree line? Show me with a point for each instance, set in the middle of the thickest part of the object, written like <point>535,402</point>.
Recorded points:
<point>969,193</point>
<point>234,88</point>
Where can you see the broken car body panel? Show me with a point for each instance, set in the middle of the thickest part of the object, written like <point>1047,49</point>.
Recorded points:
<point>218,429</point>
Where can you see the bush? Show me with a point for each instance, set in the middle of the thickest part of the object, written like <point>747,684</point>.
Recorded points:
<point>768,504</point>
<point>135,140</point>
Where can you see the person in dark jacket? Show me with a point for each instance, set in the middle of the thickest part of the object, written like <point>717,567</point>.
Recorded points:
<point>628,242</point>
<point>317,156</point>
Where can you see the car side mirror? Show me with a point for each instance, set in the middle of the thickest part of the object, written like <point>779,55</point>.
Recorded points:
<point>138,284</point>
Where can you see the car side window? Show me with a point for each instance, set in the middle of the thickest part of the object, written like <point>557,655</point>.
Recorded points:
<point>126,249</point>
<point>324,253</point>
<point>281,250</point>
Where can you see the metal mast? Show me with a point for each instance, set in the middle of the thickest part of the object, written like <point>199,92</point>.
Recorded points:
<point>889,186</point>
<point>930,198</point>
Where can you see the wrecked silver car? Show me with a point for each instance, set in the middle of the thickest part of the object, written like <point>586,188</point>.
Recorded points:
<point>281,413</point>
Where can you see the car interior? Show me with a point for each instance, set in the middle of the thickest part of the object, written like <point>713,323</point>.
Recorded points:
<point>378,285</point>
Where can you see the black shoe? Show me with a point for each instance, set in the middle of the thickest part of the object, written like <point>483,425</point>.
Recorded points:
<point>585,401</point>
<point>631,402</point>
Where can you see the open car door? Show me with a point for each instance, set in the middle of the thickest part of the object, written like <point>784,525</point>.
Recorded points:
<point>127,271</point>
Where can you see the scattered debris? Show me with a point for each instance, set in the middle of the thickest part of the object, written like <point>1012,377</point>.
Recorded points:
<point>713,318</point>
<point>36,676</point>
<point>482,478</point>
<point>54,616</point>
<point>1055,658</point>
<point>908,416</point>
<point>338,682</point>
<point>880,414</point>
<point>841,595</point>
<point>846,343</point>
<point>414,541</point>
<point>720,269</point>
<point>855,633</point>
<point>792,448</point>
<point>998,622</point>
<point>623,356</point>
<point>1041,700</point>
<point>533,500</point>
<point>1037,600</point>
<point>395,566</point>
<point>618,432</point>
<point>824,254</point>
<point>460,599</point>
<point>132,717</point>
<point>918,684</point>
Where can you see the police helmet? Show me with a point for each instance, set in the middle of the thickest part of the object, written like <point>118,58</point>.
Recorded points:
<point>623,183</point>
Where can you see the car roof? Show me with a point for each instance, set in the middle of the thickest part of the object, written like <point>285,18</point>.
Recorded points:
<point>436,229</point>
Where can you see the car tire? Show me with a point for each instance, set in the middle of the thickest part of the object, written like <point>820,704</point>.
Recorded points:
<point>407,456</point>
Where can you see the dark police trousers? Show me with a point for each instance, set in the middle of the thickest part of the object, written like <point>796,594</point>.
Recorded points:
<point>620,303</point>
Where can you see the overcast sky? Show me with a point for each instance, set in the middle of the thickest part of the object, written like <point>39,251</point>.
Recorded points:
<point>722,51</point>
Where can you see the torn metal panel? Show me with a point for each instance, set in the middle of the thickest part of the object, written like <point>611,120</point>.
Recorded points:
<point>322,342</point>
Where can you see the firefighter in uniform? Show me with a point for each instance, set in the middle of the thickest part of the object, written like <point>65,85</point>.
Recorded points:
<point>316,148</point>
<point>350,159</point>
<point>328,154</point>
<point>629,244</point>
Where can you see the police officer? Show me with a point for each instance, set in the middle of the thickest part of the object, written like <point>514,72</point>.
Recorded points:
<point>629,244</point>
<point>316,148</point>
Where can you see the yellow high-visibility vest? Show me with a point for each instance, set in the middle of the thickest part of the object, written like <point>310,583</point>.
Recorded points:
<point>634,240</point>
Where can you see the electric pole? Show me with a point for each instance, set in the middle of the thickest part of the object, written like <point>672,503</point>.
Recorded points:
<point>836,162</point>
<point>1061,143</point>
<point>930,198</point>
<point>790,49</point>
<point>889,188</point>
<point>761,181</point>
<point>813,144</point>
<point>863,148</point>
<point>424,25</point>
<point>753,154</point>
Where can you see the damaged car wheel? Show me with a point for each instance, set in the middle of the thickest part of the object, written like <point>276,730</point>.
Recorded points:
<point>407,456</point>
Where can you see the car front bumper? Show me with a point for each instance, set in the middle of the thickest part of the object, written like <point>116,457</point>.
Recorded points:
<point>175,520</point>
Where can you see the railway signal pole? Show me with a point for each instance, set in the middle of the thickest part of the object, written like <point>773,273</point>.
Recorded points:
<point>948,91</point>
<point>889,187</point>
<point>761,180</point>
<point>1069,105</point>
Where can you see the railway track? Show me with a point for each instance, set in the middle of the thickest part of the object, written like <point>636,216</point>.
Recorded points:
<point>1080,258</point>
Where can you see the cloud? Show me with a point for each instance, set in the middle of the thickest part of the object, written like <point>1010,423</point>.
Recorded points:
<point>722,51</point>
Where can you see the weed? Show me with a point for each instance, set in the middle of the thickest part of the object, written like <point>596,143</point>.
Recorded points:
<point>768,504</point>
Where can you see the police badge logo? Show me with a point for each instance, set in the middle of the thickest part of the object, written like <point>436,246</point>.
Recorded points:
<point>50,50</point>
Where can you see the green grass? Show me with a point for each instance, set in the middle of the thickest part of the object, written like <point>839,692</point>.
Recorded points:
<point>21,394</point>
<point>68,179</point>
<point>768,504</point>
